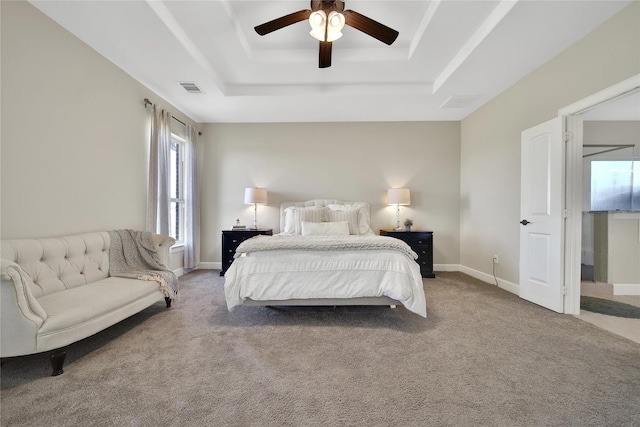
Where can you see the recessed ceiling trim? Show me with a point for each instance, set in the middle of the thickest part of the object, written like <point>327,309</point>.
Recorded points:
<point>180,34</point>
<point>372,89</point>
<point>281,56</point>
<point>459,101</point>
<point>237,27</point>
<point>424,24</point>
<point>489,24</point>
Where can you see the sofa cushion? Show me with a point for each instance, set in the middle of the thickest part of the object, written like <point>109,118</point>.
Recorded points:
<point>73,307</point>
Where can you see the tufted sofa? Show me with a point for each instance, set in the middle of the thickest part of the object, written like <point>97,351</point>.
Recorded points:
<point>57,291</point>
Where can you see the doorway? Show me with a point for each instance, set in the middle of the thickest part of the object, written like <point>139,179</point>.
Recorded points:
<point>574,116</point>
<point>566,284</point>
<point>611,217</point>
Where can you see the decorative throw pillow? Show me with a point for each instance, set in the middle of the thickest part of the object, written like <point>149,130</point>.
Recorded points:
<point>294,215</point>
<point>348,215</point>
<point>340,228</point>
<point>363,215</point>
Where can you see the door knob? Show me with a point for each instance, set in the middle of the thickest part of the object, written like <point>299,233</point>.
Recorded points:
<point>524,222</point>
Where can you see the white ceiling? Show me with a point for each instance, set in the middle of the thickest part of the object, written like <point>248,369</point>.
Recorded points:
<point>471,49</point>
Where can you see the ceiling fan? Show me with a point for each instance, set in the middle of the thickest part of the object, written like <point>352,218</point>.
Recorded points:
<point>327,19</point>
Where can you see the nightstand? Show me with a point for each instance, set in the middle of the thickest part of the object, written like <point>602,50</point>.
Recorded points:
<point>231,239</point>
<point>422,243</point>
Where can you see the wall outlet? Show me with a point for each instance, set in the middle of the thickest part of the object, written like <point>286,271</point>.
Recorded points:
<point>496,260</point>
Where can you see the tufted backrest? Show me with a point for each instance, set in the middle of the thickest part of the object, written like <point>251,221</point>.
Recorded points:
<point>61,263</point>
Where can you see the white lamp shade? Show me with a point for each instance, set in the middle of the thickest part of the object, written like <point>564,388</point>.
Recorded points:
<point>255,195</point>
<point>398,196</point>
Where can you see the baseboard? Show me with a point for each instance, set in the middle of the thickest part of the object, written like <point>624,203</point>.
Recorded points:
<point>210,266</point>
<point>502,284</point>
<point>446,267</point>
<point>626,289</point>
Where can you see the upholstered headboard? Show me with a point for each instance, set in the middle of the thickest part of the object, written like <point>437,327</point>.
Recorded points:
<point>364,206</point>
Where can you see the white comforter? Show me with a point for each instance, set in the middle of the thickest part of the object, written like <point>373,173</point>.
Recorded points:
<point>282,274</point>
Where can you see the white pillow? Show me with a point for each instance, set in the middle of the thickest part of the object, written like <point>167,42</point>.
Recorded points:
<point>363,215</point>
<point>340,228</point>
<point>350,216</point>
<point>294,215</point>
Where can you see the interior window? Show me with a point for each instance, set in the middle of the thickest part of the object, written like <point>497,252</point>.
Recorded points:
<point>615,185</point>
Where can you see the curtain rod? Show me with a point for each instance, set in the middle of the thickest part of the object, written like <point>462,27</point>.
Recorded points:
<point>147,102</point>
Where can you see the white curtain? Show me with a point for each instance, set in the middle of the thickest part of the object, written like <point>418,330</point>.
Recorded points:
<point>158,190</point>
<point>192,202</point>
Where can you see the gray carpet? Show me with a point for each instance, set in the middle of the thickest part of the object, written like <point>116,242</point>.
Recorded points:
<point>482,357</point>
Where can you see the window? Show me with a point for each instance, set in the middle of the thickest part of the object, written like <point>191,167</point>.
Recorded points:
<point>177,207</point>
<point>615,185</point>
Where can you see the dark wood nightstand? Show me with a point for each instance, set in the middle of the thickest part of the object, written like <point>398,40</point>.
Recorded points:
<point>231,239</point>
<point>422,243</point>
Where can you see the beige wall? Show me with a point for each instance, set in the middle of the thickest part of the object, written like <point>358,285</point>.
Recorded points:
<point>74,133</point>
<point>490,137</point>
<point>74,148</point>
<point>346,161</point>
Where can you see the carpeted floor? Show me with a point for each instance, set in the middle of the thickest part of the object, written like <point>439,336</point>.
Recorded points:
<point>482,357</point>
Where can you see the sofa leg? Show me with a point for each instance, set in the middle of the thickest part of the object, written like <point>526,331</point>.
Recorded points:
<point>168,301</point>
<point>57,360</point>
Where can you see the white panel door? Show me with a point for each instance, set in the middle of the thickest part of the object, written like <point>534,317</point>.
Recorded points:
<point>541,206</point>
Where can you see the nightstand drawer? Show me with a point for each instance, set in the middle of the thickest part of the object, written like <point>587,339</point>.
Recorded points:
<point>231,243</point>
<point>231,239</point>
<point>421,242</point>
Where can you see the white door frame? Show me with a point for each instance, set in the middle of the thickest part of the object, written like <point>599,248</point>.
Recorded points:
<point>573,190</point>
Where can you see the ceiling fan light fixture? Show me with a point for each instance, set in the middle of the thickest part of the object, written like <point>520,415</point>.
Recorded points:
<point>326,29</point>
<point>335,24</point>
<point>327,18</point>
<point>318,20</point>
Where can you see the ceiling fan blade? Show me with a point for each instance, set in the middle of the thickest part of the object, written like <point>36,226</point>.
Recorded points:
<point>324,60</point>
<point>282,22</point>
<point>369,26</point>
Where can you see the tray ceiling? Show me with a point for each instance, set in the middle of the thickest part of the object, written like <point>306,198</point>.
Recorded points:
<point>450,58</point>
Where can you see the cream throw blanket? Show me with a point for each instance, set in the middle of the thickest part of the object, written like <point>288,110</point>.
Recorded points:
<point>323,243</point>
<point>132,255</point>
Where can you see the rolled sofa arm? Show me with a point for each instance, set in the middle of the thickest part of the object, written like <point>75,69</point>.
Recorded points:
<point>21,315</point>
<point>162,245</point>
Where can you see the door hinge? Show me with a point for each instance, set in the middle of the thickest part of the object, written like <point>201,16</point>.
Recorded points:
<point>565,290</point>
<point>566,136</point>
<point>565,213</point>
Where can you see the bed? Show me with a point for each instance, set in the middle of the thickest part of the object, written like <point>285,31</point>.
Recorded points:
<point>326,254</point>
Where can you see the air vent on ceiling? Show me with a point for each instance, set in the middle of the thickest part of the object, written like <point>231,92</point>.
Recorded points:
<point>190,87</point>
<point>459,101</point>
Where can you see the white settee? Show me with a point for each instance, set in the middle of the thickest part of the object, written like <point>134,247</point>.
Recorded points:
<point>57,291</point>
